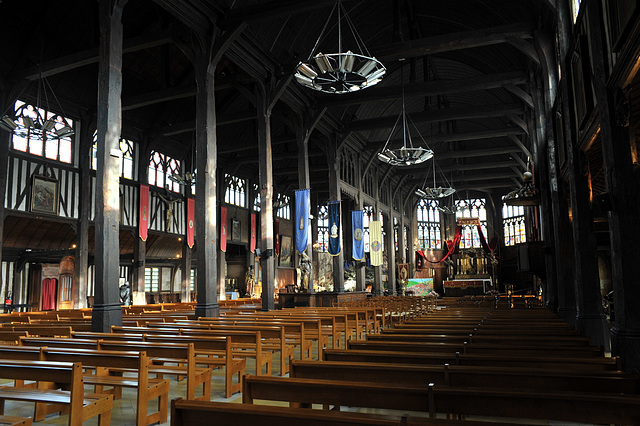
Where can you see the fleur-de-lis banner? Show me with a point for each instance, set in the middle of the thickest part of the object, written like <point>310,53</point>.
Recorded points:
<point>375,238</point>
<point>302,219</point>
<point>335,232</point>
<point>223,228</point>
<point>144,212</point>
<point>191,207</point>
<point>357,217</point>
<point>252,240</point>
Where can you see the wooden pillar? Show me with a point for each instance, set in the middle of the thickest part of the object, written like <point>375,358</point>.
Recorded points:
<point>389,243</point>
<point>206,205</point>
<point>85,142</point>
<point>622,188</point>
<point>5,141</point>
<point>267,256</point>
<point>360,266</point>
<point>333,158</point>
<point>304,182</point>
<point>106,309</point>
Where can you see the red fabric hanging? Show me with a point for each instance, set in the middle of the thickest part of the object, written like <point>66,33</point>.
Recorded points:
<point>49,294</point>
<point>453,247</point>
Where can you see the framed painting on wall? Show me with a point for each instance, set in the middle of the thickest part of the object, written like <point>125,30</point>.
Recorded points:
<point>285,251</point>
<point>45,194</point>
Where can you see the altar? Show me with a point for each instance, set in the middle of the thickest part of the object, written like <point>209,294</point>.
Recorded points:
<point>467,287</point>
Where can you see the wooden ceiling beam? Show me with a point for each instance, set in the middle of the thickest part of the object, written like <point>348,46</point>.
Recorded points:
<point>454,41</point>
<point>456,137</point>
<point>448,114</point>
<point>428,88</point>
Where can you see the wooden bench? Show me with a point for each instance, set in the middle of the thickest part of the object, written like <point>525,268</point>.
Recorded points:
<point>189,413</point>
<point>434,358</point>
<point>412,375</point>
<point>102,362</point>
<point>15,421</point>
<point>79,406</point>
<point>182,354</point>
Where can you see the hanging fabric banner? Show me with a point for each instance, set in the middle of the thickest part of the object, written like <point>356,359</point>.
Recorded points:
<point>358,234</point>
<point>191,207</point>
<point>144,212</point>
<point>335,232</point>
<point>375,242</point>
<point>302,219</point>
<point>453,247</point>
<point>223,228</point>
<point>252,239</point>
<point>276,237</point>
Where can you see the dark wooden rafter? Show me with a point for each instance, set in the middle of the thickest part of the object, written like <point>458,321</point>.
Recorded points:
<point>461,113</point>
<point>457,137</point>
<point>427,88</point>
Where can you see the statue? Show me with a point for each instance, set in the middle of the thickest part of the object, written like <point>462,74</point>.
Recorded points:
<point>249,280</point>
<point>169,212</point>
<point>305,270</point>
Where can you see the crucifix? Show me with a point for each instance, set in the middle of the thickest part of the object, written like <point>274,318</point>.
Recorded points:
<point>169,201</point>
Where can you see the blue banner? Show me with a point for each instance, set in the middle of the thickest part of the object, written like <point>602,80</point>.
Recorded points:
<point>335,232</point>
<point>357,217</point>
<point>302,219</point>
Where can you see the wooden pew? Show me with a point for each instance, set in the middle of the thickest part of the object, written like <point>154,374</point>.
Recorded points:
<point>536,404</point>
<point>476,348</point>
<point>189,413</point>
<point>15,421</point>
<point>102,362</point>
<point>434,358</point>
<point>80,406</point>
<point>462,375</point>
<point>180,353</point>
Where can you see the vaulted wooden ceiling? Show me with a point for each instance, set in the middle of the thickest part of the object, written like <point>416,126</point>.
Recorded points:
<point>466,67</point>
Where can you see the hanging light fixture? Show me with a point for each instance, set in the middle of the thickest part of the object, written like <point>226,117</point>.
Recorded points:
<point>341,72</point>
<point>436,192</point>
<point>526,195</point>
<point>37,122</point>
<point>407,154</point>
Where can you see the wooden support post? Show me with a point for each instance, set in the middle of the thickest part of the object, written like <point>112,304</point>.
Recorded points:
<point>389,245</point>
<point>5,141</point>
<point>333,159</point>
<point>206,209</point>
<point>267,255</point>
<point>84,141</point>
<point>107,310</point>
<point>303,132</point>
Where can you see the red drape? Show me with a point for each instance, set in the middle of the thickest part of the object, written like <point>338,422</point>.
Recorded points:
<point>191,207</point>
<point>144,211</point>
<point>453,247</point>
<point>252,241</point>
<point>49,294</point>
<point>276,237</point>
<point>223,226</point>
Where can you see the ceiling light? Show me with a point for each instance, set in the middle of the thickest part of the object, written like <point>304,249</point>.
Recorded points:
<point>334,72</point>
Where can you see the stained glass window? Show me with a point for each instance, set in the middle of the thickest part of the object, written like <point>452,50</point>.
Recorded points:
<point>234,190</point>
<point>429,226</point>
<point>514,225</point>
<point>472,208</point>
<point>323,228</point>
<point>283,206</point>
<point>161,166</point>
<point>126,164</point>
<point>39,142</point>
<point>256,200</point>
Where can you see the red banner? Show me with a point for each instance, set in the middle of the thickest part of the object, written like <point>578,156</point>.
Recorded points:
<point>223,227</point>
<point>191,206</point>
<point>276,237</point>
<point>252,239</point>
<point>144,212</point>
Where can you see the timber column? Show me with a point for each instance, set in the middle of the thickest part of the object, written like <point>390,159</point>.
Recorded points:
<point>304,182</point>
<point>333,158</point>
<point>107,310</point>
<point>206,209</point>
<point>267,258</point>
<point>621,183</point>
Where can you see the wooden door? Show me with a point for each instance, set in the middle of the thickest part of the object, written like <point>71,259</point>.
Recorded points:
<point>65,292</point>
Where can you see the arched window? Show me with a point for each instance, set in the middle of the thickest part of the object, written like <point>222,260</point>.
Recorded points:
<point>514,225</point>
<point>235,191</point>
<point>323,228</point>
<point>161,166</point>
<point>256,200</point>
<point>127,164</point>
<point>472,208</point>
<point>53,140</point>
<point>283,206</point>
<point>429,227</point>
